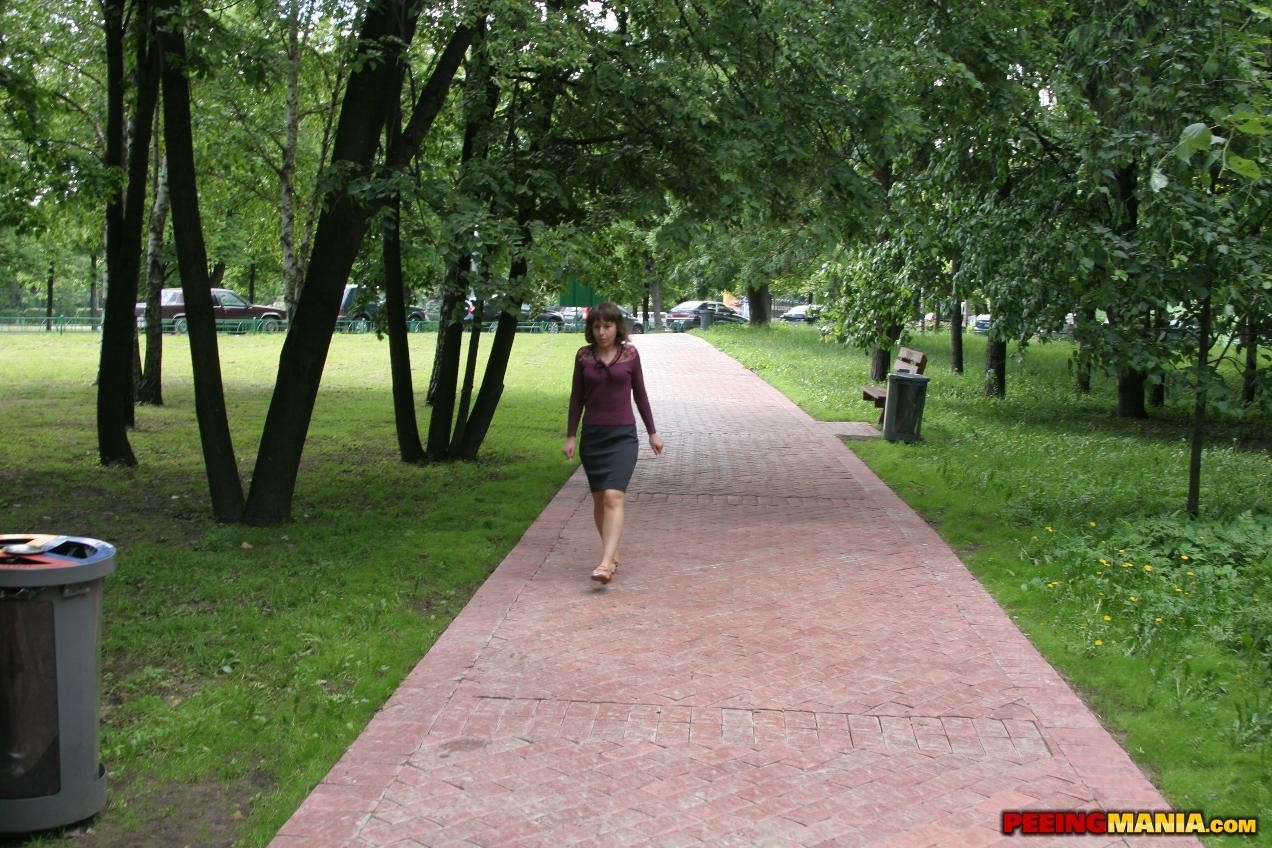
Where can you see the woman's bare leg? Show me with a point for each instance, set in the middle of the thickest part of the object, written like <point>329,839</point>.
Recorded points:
<point>610,525</point>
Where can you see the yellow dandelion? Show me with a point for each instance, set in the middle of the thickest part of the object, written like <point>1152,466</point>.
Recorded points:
<point>1185,557</point>
<point>1099,574</point>
<point>1104,562</point>
<point>1190,574</point>
<point>1128,565</point>
<point>1148,568</point>
<point>1092,523</point>
<point>1099,642</point>
<point>1108,618</point>
<point>1158,619</point>
<point>1177,589</point>
<point>1134,598</point>
<point>1053,584</point>
<point>1049,530</point>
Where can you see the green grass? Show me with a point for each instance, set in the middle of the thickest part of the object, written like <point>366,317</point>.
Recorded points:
<point>240,662</point>
<point>1060,509</point>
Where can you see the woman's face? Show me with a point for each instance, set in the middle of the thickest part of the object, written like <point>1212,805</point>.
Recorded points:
<point>604,332</point>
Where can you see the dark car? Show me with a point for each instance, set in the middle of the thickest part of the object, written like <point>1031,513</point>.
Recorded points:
<point>805,313</point>
<point>687,315</point>
<point>634,325</point>
<point>361,305</point>
<point>980,324</point>
<point>226,306</point>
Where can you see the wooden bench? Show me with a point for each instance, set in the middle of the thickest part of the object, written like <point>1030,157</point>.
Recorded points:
<point>909,361</point>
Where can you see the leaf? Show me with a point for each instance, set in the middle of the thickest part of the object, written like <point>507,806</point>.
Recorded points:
<point>1243,166</point>
<point>1195,137</point>
<point>1158,180</point>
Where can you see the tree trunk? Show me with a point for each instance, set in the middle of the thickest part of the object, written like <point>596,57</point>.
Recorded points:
<point>492,382</point>
<point>996,368</point>
<point>1250,374</point>
<point>1157,379</point>
<point>287,169</point>
<point>92,291</point>
<point>1130,394</point>
<point>470,376</point>
<point>48,300</point>
<point>123,225</point>
<point>150,390</point>
<point>956,337</point>
<point>1199,410</point>
<point>251,283</point>
<point>388,27</point>
<point>758,298</point>
<point>408,434</point>
<point>881,357</point>
<point>1085,318</point>
<point>655,288</point>
<point>446,374</point>
<point>224,485</point>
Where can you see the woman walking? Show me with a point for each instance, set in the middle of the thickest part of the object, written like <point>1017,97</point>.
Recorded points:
<point>607,375</point>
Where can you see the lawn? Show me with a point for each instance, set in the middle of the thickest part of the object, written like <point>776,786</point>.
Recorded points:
<point>240,662</point>
<point>1074,521</point>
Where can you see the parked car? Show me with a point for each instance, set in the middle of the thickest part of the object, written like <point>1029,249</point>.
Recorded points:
<point>980,324</point>
<point>805,313</point>
<point>688,314</point>
<point>361,305</point>
<point>634,325</point>
<point>226,305</point>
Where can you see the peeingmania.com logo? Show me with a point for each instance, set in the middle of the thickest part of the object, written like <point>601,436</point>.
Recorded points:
<point>1156,822</point>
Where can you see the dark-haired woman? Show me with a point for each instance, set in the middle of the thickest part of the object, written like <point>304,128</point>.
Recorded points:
<point>607,376</point>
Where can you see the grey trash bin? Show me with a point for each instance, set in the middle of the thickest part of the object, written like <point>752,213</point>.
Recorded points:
<point>704,318</point>
<point>51,772</point>
<point>903,409</point>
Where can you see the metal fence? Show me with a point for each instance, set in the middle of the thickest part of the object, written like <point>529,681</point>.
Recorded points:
<point>67,324</point>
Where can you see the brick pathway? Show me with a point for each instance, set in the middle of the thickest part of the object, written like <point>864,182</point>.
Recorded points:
<point>788,656</point>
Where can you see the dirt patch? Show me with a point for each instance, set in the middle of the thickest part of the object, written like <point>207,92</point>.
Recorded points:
<point>171,815</point>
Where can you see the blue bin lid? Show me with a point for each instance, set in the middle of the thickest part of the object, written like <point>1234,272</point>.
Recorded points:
<point>35,559</point>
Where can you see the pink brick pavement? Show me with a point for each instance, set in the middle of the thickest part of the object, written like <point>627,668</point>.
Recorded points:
<point>788,655</point>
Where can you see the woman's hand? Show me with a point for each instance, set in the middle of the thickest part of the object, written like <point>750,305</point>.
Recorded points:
<point>656,442</point>
<point>568,448</point>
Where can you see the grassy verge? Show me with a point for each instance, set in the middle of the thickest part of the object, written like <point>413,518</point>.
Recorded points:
<point>1073,521</point>
<point>238,663</point>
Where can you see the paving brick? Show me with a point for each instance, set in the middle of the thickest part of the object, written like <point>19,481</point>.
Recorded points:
<point>830,676</point>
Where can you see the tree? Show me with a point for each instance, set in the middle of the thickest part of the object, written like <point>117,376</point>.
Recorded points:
<point>124,220</point>
<point>387,27</point>
<point>209,395</point>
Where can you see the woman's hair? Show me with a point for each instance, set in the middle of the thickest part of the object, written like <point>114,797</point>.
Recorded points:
<point>607,313</point>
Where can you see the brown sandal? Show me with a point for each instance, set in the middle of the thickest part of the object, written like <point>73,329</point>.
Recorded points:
<point>602,576</point>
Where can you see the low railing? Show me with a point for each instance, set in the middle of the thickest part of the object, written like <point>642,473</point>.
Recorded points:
<point>65,324</point>
<point>56,324</point>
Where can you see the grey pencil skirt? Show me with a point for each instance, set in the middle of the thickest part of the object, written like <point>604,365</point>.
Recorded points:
<point>609,456</point>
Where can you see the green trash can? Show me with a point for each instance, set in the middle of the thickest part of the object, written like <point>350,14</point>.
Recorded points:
<point>51,772</point>
<point>903,408</point>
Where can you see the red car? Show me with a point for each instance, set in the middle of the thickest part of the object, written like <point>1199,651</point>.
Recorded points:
<point>226,306</point>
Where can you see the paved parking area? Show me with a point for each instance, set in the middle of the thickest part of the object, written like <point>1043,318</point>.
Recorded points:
<point>788,655</point>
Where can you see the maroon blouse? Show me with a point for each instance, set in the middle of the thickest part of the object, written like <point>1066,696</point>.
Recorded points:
<point>606,391</point>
